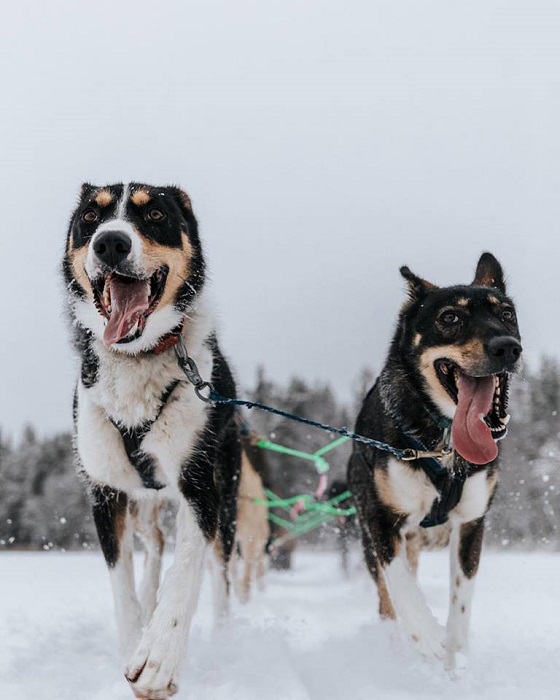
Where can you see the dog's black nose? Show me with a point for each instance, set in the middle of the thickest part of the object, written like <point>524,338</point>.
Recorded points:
<point>506,349</point>
<point>112,247</point>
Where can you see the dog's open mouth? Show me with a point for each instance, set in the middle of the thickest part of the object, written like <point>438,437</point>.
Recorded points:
<point>126,303</point>
<point>481,416</point>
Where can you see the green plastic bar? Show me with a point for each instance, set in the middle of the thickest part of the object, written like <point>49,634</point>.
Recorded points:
<point>267,445</point>
<point>331,446</point>
<point>310,525</point>
<point>310,505</point>
<point>286,524</point>
<point>274,501</point>
<point>282,502</point>
<point>321,464</point>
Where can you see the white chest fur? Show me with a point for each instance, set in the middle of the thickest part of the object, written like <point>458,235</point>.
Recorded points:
<point>410,491</point>
<point>129,391</point>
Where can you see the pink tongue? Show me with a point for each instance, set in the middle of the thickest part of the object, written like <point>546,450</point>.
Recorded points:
<point>472,438</point>
<point>129,300</point>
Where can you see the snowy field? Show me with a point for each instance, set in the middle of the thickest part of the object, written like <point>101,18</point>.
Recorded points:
<point>312,635</point>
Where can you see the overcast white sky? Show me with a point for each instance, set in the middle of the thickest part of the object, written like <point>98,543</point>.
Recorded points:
<point>323,143</point>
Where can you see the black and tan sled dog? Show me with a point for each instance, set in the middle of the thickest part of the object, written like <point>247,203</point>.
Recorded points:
<point>443,390</point>
<point>135,279</point>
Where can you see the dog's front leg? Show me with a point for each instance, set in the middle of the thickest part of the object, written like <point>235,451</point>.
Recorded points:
<point>465,548</point>
<point>419,623</point>
<point>153,668</point>
<point>114,528</point>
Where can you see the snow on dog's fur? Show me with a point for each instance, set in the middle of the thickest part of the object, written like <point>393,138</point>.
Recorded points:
<point>135,273</point>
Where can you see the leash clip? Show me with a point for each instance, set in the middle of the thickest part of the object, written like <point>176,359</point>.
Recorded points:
<point>410,455</point>
<point>190,370</point>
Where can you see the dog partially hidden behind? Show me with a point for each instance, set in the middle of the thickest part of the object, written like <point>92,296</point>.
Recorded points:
<point>444,388</point>
<point>135,273</point>
<point>252,532</point>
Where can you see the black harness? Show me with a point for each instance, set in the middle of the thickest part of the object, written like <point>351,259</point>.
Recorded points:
<point>132,439</point>
<point>448,483</point>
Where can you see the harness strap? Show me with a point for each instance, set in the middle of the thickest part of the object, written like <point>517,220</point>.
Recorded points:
<point>449,485</point>
<point>132,439</point>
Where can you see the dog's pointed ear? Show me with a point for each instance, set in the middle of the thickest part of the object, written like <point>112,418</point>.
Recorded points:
<point>489,273</point>
<point>86,189</point>
<point>182,199</point>
<point>417,287</point>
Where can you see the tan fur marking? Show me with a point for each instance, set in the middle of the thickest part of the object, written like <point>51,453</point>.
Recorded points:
<point>386,609</point>
<point>462,302</point>
<point>78,258</point>
<point>413,546</point>
<point>149,530</point>
<point>434,537</point>
<point>466,356</point>
<point>493,300</point>
<point>140,197</point>
<point>384,488</point>
<point>121,516</point>
<point>177,259</point>
<point>104,198</point>
<point>417,340</point>
<point>492,481</point>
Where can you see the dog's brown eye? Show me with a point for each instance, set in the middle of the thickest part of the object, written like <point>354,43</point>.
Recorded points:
<point>156,215</point>
<point>507,315</point>
<point>449,318</point>
<point>90,216</point>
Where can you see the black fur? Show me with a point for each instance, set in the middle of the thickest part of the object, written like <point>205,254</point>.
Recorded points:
<point>109,508</point>
<point>210,479</point>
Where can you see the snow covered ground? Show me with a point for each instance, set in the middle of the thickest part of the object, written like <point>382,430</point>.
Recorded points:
<point>312,635</point>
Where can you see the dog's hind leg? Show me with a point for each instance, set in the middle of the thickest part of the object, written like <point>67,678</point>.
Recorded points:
<point>114,528</point>
<point>228,476</point>
<point>465,549</point>
<point>386,609</point>
<point>413,547</point>
<point>220,572</point>
<point>145,515</point>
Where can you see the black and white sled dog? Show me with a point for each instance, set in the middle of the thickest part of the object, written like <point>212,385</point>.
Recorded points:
<point>443,389</point>
<point>135,272</point>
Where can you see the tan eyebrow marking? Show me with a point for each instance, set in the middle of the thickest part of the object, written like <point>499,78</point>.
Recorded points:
<point>140,197</point>
<point>104,198</point>
<point>493,300</point>
<point>462,302</point>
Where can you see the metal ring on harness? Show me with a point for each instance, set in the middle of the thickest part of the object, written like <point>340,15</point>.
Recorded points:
<point>200,387</point>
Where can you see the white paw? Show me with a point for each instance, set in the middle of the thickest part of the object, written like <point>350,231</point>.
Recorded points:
<point>152,672</point>
<point>431,644</point>
<point>456,661</point>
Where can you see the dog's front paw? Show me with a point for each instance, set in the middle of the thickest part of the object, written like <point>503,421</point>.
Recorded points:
<point>431,644</point>
<point>456,662</point>
<point>152,675</point>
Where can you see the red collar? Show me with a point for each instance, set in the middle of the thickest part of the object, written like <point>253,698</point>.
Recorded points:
<point>168,340</point>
